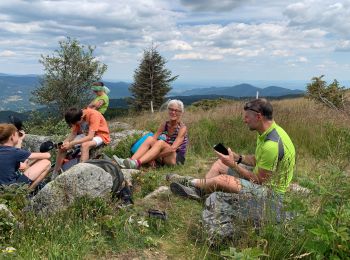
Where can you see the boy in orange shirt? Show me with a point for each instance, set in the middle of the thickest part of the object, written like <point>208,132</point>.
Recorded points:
<point>88,129</point>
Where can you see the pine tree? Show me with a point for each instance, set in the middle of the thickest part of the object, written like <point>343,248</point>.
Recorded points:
<point>151,82</point>
<point>69,73</point>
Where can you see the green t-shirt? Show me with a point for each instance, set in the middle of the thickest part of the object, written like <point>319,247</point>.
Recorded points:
<point>105,99</point>
<point>270,147</point>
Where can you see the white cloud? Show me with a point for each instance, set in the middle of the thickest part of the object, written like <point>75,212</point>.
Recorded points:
<point>343,46</point>
<point>7,53</point>
<point>328,15</point>
<point>213,5</point>
<point>255,32</point>
<point>197,56</point>
<point>281,53</point>
<point>302,59</point>
<point>175,45</point>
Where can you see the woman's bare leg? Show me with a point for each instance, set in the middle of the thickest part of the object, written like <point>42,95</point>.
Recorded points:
<point>154,152</point>
<point>170,159</point>
<point>146,145</point>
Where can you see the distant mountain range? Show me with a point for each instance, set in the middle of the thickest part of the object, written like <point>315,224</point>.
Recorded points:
<point>243,90</point>
<point>15,92</point>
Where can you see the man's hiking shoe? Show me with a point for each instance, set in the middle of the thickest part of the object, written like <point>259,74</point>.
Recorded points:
<point>185,191</point>
<point>130,164</point>
<point>119,161</point>
<point>173,177</point>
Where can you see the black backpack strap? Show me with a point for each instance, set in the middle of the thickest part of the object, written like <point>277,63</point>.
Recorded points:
<point>113,169</point>
<point>274,136</point>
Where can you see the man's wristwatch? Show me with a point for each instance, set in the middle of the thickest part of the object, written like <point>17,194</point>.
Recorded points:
<point>239,159</point>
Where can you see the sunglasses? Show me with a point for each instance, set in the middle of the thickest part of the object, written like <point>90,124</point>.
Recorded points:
<point>249,106</point>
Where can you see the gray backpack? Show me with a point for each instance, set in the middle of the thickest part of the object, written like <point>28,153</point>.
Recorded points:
<point>113,169</point>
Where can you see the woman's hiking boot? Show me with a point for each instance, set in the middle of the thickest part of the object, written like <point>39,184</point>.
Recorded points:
<point>131,164</point>
<point>119,161</point>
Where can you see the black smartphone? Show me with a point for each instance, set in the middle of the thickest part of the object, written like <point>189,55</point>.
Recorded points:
<point>221,148</point>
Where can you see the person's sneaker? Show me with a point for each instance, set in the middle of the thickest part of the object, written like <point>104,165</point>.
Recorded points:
<point>173,177</point>
<point>130,164</point>
<point>119,161</point>
<point>185,191</point>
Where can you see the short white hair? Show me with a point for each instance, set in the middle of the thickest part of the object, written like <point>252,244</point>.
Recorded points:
<point>178,103</point>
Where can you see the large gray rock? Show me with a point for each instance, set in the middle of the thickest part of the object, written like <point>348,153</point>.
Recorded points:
<point>33,142</point>
<point>7,212</point>
<point>129,173</point>
<point>116,126</point>
<point>119,136</point>
<point>81,180</point>
<point>227,215</point>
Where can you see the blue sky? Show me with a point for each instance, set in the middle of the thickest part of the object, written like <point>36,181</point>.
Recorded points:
<point>205,41</point>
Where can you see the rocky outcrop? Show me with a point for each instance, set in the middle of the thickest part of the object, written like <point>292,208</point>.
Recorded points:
<point>33,142</point>
<point>116,137</point>
<point>81,180</point>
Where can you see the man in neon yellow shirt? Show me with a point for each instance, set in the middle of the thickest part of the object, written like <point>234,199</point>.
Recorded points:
<point>101,102</point>
<point>272,165</point>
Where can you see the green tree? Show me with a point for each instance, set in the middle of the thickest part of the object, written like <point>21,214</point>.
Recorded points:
<point>151,81</point>
<point>69,73</point>
<point>332,95</point>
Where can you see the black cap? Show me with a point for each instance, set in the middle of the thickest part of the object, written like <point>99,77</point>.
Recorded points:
<point>46,146</point>
<point>16,122</point>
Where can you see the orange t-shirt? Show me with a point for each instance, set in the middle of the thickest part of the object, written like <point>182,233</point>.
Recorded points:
<point>93,121</point>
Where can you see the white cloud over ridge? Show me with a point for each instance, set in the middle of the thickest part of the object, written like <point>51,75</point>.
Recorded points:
<point>269,34</point>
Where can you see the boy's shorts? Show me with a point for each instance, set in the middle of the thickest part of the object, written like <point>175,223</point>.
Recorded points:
<point>98,140</point>
<point>23,179</point>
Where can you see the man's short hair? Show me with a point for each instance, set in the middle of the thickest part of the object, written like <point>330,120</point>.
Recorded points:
<point>73,115</point>
<point>260,105</point>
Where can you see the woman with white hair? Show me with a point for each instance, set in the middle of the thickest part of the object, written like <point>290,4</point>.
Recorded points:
<point>168,145</point>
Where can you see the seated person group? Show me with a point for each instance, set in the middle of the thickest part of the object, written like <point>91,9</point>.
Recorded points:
<point>269,169</point>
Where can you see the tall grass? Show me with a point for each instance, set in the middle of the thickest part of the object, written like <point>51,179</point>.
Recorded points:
<point>99,229</point>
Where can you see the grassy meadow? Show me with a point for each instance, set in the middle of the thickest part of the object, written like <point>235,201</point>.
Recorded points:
<point>98,229</point>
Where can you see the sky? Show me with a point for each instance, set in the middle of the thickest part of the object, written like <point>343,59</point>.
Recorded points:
<point>204,41</point>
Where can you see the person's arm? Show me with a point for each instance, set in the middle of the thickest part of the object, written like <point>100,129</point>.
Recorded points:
<point>159,131</point>
<point>230,161</point>
<point>246,159</point>
<point>38,156</point>
<point>70,144</point>
<point>97,104</point>
<point>178,141</point>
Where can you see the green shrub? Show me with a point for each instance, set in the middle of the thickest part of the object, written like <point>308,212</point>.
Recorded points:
<point>40,123</point>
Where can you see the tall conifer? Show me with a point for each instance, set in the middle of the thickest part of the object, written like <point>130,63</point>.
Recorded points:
<point>151,81</point>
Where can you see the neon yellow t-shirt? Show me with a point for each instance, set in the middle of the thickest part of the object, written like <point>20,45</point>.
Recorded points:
<point>105,99</point>
<point>275,152</point>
